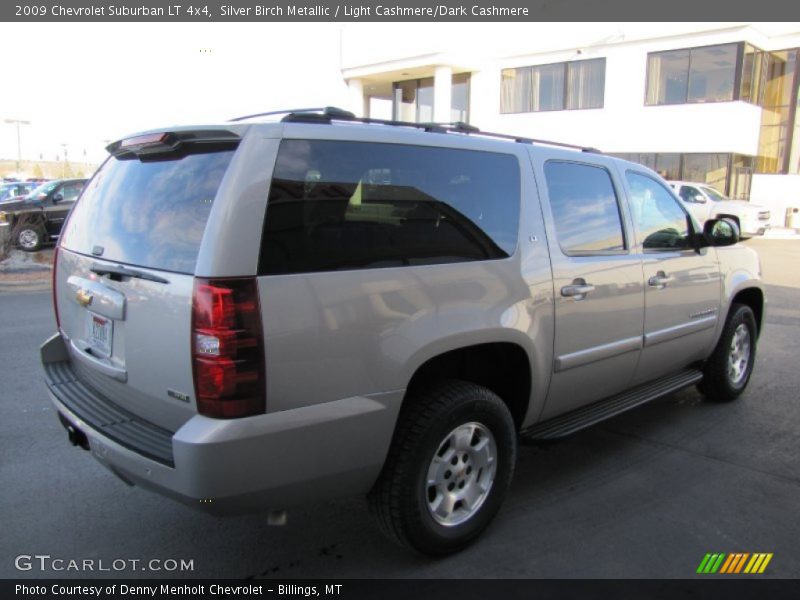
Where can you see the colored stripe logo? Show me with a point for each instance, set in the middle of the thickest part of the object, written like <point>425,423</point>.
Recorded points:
<point>737,562</point>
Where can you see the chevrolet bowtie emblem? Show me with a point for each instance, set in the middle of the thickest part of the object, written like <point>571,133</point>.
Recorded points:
<point>84,298</point>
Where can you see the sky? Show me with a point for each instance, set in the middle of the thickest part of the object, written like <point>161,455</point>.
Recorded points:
<point>85,84</point>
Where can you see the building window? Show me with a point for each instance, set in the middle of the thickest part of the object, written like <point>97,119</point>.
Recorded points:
<point>713,169</point>
<point>459,98</point>
<point>413,100</point>
<point>560,86</point>
<point>779,117</point>
<point>706,74</point>
<point>754,72</point>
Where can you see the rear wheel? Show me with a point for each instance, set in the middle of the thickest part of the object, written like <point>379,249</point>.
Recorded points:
<point>728,371</point>
<point>30,238</point>
<point>448,470</point>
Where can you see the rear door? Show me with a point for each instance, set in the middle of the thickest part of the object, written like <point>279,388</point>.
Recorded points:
<point>682,284</point>
<point>124,277</point>
<point>599,298</point>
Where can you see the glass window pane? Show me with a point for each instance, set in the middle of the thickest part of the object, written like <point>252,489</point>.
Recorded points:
<point>150,214</point>
<point>668,165</point>
<point>667,77</point>
<point>515,93</point>
<point>780,91</point>
<point>405,100</point>
<point>706,168</point>
<point>658,217</point>
<point>586,83</point>
<point>354,205</point>
<point>585,208</point>
<point>712,73</point>
<point>459,101</point>
<point>425,101</point>
<point>547,83</point>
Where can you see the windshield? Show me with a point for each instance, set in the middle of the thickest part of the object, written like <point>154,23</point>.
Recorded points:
<point>713,194</point>
<point>43,189</point>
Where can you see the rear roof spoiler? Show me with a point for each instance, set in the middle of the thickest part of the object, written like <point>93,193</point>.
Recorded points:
<point>168,143</point>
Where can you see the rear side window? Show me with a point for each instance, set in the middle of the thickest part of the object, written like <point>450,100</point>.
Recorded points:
<point>150,214</point>
<point>356,205</point>
<point>585,208</point>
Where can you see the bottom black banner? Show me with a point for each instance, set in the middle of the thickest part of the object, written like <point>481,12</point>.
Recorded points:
<point>406,589</point>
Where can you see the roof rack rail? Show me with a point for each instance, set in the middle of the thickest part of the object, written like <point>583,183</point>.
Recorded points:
<point>325,110</point>
<point>329,114</point>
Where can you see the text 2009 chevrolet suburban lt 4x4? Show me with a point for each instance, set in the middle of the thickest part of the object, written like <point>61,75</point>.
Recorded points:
<point>262,313</point>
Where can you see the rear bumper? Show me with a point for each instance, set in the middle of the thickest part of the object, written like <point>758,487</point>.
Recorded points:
<point>269,461</point>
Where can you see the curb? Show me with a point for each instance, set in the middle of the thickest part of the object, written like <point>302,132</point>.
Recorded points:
<point>30,285</point>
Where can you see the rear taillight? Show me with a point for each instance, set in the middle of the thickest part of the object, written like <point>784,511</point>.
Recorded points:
<point>55,294</point>
<point>228,348</point>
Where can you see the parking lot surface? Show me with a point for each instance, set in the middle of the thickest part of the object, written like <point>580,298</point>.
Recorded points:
<point>645,495</point>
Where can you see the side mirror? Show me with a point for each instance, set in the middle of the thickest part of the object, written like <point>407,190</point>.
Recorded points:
<point>699,198</point>
<point>721,232</point>
<point>57,198</point>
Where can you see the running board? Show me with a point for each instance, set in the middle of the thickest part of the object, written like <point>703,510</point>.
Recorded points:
<point>592,414</point>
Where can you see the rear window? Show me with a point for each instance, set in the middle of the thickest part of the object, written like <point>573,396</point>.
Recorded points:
<point>355,205</point>
<point>150,214</point>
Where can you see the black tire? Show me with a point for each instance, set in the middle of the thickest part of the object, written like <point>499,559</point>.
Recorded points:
<point>29,238</point>
<point>400,498</point>
<point>720,383</point>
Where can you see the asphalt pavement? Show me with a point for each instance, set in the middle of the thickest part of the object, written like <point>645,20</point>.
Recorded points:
<point>645,495</point>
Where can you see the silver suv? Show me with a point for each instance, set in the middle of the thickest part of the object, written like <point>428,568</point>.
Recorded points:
<point>255,314</point>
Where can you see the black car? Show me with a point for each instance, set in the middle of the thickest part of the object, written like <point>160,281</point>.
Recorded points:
<point>39,216</point>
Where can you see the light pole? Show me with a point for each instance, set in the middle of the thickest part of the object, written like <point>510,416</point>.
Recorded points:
<point>18,122</point>
<point>64,168</point>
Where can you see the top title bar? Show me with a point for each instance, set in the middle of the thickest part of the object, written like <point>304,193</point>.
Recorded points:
<point>399,10</point>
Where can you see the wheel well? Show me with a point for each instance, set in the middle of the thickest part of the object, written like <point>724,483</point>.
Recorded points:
<point>754,298</point>
<point>502,367</point>
<point>732,217</point>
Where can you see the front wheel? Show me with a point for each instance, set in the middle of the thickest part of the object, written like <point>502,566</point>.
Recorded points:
<point>728,371</point>
<point>448,470</point>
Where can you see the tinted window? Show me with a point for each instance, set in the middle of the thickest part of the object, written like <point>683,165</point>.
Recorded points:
<point>352,205</point>
<point>150,214</point>
<point>660,220</point>
<point>585,208</point>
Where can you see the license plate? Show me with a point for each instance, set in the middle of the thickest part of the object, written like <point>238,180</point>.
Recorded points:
<point>99,334</point>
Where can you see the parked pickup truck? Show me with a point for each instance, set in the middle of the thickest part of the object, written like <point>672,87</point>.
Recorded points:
<point>37,218</point>
<point>255,314</point>
<point>705,202</point>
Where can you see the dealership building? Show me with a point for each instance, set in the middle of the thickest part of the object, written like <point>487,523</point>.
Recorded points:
<point>706,102</point>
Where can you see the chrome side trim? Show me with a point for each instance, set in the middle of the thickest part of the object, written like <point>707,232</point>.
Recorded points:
<point>583,357</point>
<point>671,333</point>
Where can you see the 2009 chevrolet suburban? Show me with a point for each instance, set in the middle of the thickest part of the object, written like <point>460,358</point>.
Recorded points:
<point>261,313</point>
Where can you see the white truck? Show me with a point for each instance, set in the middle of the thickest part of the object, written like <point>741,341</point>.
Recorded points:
<point>706,202</point>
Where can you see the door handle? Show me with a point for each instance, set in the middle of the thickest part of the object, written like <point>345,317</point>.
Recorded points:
<point>577,289</point>
<point>660,280</point>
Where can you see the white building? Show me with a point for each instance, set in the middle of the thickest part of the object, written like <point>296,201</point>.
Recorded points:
<point>712,102</point>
